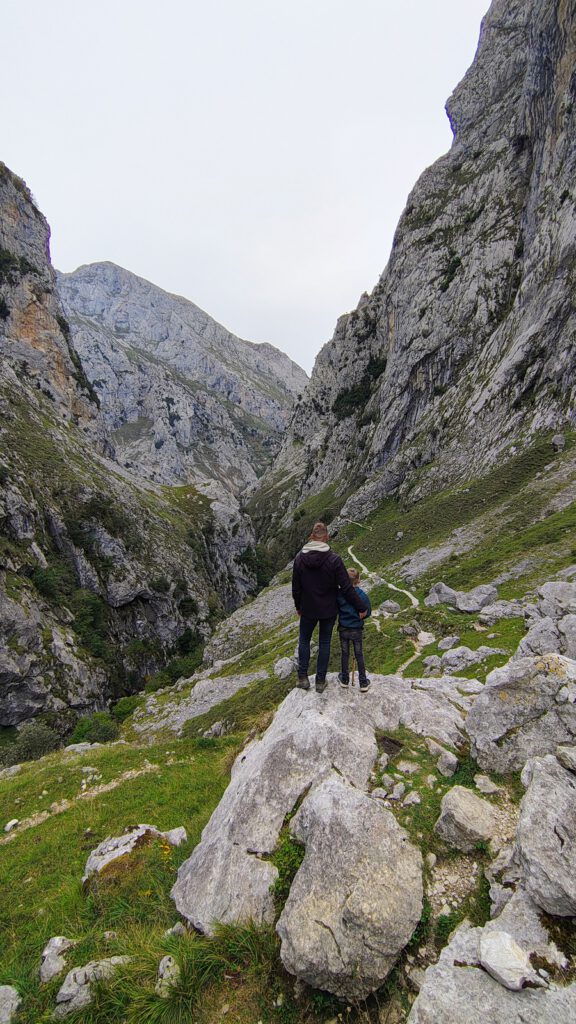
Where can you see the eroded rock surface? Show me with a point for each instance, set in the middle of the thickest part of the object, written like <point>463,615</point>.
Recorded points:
<point>546,836</point>
<point>465,819</point>
<point>113,847</point>
<point>357,896</point>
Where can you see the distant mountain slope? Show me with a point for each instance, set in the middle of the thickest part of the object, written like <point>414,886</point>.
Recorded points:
<point>186,399</point>
<point>466,348</point>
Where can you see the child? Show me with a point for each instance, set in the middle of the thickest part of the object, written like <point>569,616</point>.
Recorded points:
<point>350,627</point>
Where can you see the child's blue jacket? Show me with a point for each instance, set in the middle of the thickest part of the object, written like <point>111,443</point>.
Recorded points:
<point>348,617</point>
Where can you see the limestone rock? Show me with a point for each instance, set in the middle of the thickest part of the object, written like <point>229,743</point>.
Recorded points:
<point>357,896</point>
<point>9,1002</point>
<point>53,962</point>
<point>75,993</point>
<point>284,668</point>
<point>168,976</point>
<point>485,785</point>
<point>492,613</point>
<point>389,607</point>
<point>460,658</point>
<point>526,708</point>
<point>567,757</point>
<point>447,642</point>
<point>546,835</point>
<point>465,819</point>
<point>471,601</point>
<point>543,637</point>
<point>506,961</point>
<point>113,847</point>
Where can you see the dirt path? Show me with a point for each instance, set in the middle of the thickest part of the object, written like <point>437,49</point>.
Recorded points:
<point>374,576</point>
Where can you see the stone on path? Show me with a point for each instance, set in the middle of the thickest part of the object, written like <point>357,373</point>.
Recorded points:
<point>526,708</point>
<point>9,1002</point>
<point>76,992</point>
<point>113,847</point>
<point>53,962</point>
<point>357,896</point>
<point>465,819</point>
<point>546,835</point>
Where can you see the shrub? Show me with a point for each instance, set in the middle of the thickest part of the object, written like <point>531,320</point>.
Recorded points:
<point>97,728</point>
<point>125,706</point>
<point>35,739</point>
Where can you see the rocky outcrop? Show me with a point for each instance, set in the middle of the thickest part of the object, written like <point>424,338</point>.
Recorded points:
<point>463,348</point>
<point>546,836</point>
<point>114,847</point>
<point>527,707</point>
<point>185,400</point>
<point>76,990</point>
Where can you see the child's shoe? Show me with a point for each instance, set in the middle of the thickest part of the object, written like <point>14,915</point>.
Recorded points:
<point>303,682</point>
<point>343,682</point>
<point>321,685</point>
<point>364,685</point>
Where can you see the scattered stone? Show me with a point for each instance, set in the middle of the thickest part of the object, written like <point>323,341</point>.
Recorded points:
<point>485,785</point>
<point>558,442</point>
<point>567,757</point>
<point>431,780</point>
<point>431,860</point>
<point>447,642</point>
<point>460,658</point>
<point>412,799</point>
<point>9,1002</point>
<point>7,773</point>
<point>113,847</point>
<point>168,976</point>
<point>492,613</point>
<point>284,668</point>
<point>465,819</point>
<point>75,992</point>
<point>398,791</point>
<point>383,760</point>
<point>11,824</point>
<point>506,961</point>
<point>407,767</point>
<point>177,929</point>
<point>357,896</point>
<point>472,601</point>
<point>378,793</point>
<point>546,835</point>
<point>526,708</point>
<point>389,608</point>
<point>53,962</point>
<point>109,936</point>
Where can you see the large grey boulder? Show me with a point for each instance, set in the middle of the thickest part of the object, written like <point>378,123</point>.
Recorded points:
<point>357,896</point>
<point>501,609</point>
<point>546,835</point>
<point>9,1002</point>
<point>460,658</point>
<point>226,878</point>
<point>76,992</point>
<point>526,708</point>
<point>465,819</point>
<point>464,601</point>
<point>543,637</point>
<point>557,599</point>
<point>113,847</point>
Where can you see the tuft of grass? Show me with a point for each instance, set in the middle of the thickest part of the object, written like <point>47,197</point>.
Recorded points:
<point>287,857</point>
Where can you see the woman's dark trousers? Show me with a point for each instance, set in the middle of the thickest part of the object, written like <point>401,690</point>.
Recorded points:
<point>354,636</point>
<point>307,627</point>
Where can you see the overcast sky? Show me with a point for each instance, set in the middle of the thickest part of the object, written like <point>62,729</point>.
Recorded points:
<point>252,155</point>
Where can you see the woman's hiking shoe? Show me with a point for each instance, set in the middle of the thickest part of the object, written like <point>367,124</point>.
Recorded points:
<point>303,683</point>
<point>364,686</point>
<point>321,685</point>
<point>343,682</point>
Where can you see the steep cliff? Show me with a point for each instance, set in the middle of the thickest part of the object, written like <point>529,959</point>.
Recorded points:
<point>184,398</point>
<point>104,578</point>
<point>466,348</point>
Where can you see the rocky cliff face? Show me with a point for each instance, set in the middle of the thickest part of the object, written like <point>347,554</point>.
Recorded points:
<point>184,398</point>
<point>103,578</point>
<point>467,345</point>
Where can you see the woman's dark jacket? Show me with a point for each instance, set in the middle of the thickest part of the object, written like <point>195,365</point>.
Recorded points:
<point>316,578</point>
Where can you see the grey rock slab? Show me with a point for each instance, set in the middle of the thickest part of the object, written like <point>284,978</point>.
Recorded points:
<point>225,879</point>
<point>557,599</point>
<point>546,835</point>
<point>485,785</point>
<point>53,962</point>
<point>465,601</point>
<point>205,695</point>
<point>506,961</point>
<point>527,708</point>
<point>543,637</point>
<point>8,773</point>
<point>456,990</point>
<point>501,609</point>
<point>75,993</point>
<point>113,847</point>
<point>459,658</point>
<point>357,896</point>
<point>9,1002</point>
<point>465,819</point>
<point>567,630</point>
<point>389,607</point>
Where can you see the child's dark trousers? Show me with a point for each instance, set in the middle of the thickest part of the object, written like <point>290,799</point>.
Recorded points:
<point>353,636</point>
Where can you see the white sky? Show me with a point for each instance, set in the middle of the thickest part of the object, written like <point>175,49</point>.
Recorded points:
<point>252,155</point>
